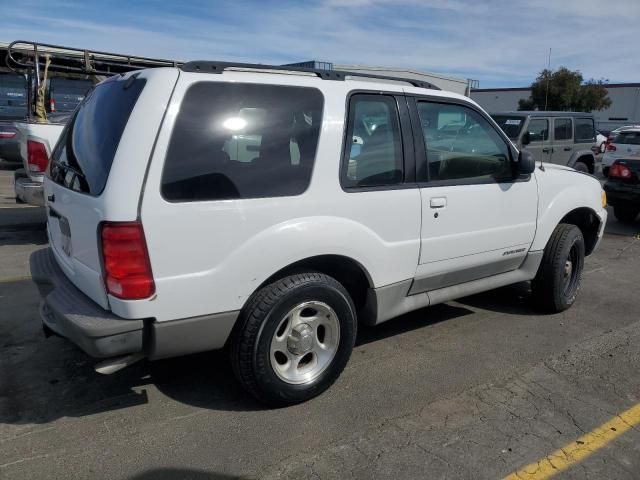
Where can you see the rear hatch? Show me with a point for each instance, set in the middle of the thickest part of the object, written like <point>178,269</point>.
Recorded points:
<point>626,143</point>
<point>80,167</point>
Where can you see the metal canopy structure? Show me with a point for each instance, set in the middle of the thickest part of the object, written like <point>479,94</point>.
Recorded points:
<point>23,56</point>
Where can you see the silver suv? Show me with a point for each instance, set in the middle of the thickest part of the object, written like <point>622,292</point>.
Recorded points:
<point>563,138</point>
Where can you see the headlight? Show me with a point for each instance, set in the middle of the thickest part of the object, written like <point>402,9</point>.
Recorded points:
<point>604,199</point>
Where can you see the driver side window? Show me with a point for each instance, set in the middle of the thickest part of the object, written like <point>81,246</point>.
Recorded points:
<point>461,145</point>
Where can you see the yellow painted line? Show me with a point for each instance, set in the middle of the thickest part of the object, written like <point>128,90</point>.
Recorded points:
<point>15,279</point>
<point>577,451</point>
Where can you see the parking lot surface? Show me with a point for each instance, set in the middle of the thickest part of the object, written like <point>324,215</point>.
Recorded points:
<point>478,388</point>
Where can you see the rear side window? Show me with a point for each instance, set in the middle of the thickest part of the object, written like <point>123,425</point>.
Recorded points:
<point>585,130</point>
<point>238,140</point>
<point>375,151</point>
<point>83,156</point>
<point>562,129</point>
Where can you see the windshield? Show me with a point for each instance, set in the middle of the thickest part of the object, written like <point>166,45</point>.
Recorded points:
<point>511,125</point>
<point>83,156</point>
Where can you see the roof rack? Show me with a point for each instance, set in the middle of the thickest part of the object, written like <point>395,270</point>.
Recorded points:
<point>26,55</point>
<point>219,67</point>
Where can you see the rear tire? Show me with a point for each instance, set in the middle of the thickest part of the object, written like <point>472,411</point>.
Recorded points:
<point>558,279</point>
<point>625,213</point>
<point>293,338</point>
<point>581,167</point>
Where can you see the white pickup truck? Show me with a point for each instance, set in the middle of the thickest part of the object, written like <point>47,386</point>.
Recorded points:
<point>37,142</point>
<point>270,210</point>
<point>58,78</point>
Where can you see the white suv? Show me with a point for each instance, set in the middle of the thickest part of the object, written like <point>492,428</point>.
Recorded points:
<point>271,210</point>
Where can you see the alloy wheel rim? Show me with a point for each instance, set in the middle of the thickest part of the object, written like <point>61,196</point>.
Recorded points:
<point>305,342</point>
<point>571,271</point>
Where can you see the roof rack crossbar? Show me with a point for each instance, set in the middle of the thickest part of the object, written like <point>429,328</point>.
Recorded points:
<point>24,54</point>
<point>219,67</point>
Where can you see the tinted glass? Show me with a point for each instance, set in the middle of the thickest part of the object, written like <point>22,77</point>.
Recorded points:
<point>562,129</point>
<point>67,93</point>
<point>461,144</point>
<point>585,130</point>
<point>538,129</point>
<point>13,96</point>
<point>628,138</point>
<point>511,125</point>
<point>234,140</point>
<point>375,150</point>
<point>83,156</point>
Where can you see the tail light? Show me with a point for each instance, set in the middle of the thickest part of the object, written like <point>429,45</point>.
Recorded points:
<point>52,105</point>
<point>126,262</point>
<point>618,170</point>
<point>7,134</point>
<point>37,156</point>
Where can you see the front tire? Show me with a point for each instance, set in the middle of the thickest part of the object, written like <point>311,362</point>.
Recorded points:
<point>294,338</point>
<point>557,282</point>
<point>625,214</point>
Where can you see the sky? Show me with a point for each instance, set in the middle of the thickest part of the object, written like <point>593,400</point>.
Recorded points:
<point>501,43</point>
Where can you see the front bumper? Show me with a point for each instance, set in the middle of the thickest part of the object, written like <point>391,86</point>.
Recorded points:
<point>29,191</point>
<point>71,314</point>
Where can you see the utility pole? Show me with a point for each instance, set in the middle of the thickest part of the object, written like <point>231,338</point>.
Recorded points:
<point>546,95</point>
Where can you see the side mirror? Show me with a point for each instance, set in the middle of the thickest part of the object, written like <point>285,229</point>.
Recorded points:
<point>526,139</point>
<point>526,164</point>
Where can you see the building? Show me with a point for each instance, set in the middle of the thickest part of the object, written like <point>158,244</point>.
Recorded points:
<point>624,109</point>
<point>445,82</point>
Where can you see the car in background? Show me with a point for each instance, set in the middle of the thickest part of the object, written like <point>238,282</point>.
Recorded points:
<point>601,142</point>
<point>625,143</point>
<point>563,138</point>
<point>13,106</point>
<point>623,188</point>
<point>34,140</point>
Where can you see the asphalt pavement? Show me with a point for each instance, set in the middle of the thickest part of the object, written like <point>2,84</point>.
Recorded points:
<point>477,388</point>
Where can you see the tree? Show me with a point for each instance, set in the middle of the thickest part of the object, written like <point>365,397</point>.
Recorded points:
<point>564,90</point>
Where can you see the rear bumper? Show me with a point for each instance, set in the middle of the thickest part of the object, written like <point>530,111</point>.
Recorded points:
<point>29,191</point>
<point>619,193</point>
<point>71,314</point>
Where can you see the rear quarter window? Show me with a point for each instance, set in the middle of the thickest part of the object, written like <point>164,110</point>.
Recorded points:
<point>585,130</point>
<point>238,140</point>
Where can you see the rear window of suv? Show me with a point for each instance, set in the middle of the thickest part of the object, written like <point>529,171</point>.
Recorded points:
<point>238,140</point>
<point>83,156</point>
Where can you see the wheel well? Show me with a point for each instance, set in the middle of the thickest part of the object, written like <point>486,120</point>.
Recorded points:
<point>588,223</point>
<point>589,161</point>
<point>345,270</point>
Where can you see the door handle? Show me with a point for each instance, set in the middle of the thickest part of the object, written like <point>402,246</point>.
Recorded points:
<point>438,202</point>
<point>566,149</point>
<point>545,150</point>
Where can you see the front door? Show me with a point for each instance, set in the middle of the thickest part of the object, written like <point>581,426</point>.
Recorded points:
<point>477,220</point>
<point>539,141</point>
<point>562,140</point>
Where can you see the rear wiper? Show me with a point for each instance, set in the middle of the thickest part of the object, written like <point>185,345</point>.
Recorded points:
<point>66,167</point>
